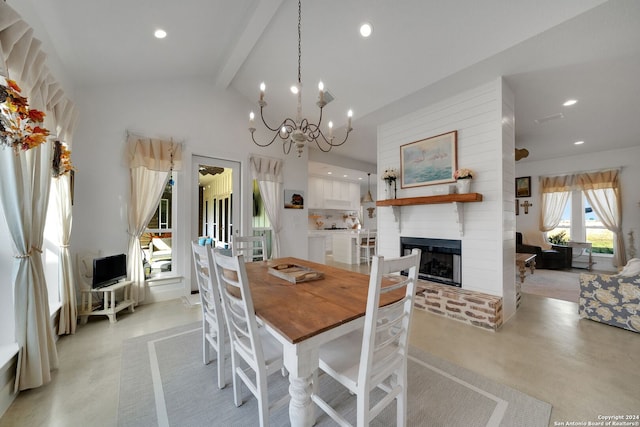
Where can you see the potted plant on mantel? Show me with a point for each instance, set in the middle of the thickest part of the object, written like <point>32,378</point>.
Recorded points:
<point>463,180</point>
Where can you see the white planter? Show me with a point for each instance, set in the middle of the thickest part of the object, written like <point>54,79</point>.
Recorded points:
<point>463,185</point>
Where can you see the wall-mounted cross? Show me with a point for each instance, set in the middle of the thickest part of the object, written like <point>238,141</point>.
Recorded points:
<point>526,206</point>
<point>371,212</point>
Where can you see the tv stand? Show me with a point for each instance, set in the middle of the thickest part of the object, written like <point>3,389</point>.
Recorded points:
<point>109,306</point>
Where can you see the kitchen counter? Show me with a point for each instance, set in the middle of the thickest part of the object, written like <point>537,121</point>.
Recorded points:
<point>328,236</point>
<point>344,247</point>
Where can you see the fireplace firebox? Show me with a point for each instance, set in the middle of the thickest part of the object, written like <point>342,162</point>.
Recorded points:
<point>440,260</point>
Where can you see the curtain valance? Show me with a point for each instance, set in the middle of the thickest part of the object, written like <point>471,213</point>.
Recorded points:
<point>266,169</point>
<point>154,154</point>
<point>580,181</point>
<point>23,61</point>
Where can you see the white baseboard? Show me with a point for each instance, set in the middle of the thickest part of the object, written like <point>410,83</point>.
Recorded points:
<point>164,290</point>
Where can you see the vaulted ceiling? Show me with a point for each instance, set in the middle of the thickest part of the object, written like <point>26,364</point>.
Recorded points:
<point>547,50</point>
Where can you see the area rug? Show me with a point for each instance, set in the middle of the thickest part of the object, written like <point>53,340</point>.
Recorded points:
<point>557,284</point>
<point>163,382</point>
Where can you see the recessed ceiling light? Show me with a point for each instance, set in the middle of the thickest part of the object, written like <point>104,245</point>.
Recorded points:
<point>366,29</point>
<point>329,173</point>
<point>345,176</point>
<point>160,33</point>
<point>360,178</point>
<point>569,102</point>
<point>578,143</point>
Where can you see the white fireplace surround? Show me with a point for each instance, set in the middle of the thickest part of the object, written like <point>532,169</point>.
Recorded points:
<point>483,117</point>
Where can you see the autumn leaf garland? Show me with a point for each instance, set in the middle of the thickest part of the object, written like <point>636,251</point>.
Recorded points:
<point>20,126</point>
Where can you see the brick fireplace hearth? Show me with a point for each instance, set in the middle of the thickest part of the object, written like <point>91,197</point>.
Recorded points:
<point>473,308</point>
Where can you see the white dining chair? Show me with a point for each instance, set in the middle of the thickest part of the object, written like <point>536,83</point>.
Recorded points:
<point>249,343</point>
<point>366,245</point>
<point>254,248</point>
<point>213,329</point>
<point>375,356</point>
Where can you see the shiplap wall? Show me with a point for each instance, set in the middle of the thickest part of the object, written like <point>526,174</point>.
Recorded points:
<point>485,145</point>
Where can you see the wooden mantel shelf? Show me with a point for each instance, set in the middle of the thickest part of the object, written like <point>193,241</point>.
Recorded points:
<point>431,200</point>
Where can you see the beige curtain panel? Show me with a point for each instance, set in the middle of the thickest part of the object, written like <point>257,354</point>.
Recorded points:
<point>25,181</point>
<point>150,161</point>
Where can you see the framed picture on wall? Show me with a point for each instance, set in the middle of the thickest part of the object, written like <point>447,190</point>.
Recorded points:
<point>429,161</point>
<point>523,186</point>
<point>293,199</point>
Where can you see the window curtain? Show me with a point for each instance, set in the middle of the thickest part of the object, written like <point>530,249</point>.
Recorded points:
<point>24,191</point>
<point>68,318</point>
<point>555,194</point>
<point>150,163</point>
<point>268,173</point>
<point>602,190</point>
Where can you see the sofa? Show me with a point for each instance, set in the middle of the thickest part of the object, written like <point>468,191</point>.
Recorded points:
<point>556,258</point>
<point>611,299</point>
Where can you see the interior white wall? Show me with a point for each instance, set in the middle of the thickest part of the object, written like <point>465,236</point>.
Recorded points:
<point>626,159</point>
<point>477,116</point>
<point>210,123</point>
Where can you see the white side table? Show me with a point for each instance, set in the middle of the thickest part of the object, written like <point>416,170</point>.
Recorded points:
<point>581,258</point>
<point>110,306</point>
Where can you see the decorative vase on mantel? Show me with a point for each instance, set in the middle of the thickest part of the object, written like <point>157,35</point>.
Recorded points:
<point>464,186</point>
<point>391,189</point>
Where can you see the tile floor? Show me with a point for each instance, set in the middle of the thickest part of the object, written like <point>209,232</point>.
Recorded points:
<point>583,368</point>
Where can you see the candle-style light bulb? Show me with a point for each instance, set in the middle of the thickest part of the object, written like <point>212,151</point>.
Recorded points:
<point>262,89</point>
<point>350,115</point>
<point>251,118</point>
<point>330,129</point>
<point>321,89</point>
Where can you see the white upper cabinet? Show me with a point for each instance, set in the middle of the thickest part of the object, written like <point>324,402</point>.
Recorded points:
<point>333,194</point>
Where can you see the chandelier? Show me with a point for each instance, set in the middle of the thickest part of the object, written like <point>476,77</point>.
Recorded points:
<point>300,131</point>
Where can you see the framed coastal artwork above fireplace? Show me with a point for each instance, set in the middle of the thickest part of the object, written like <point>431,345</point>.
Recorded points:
<point>429,161</point>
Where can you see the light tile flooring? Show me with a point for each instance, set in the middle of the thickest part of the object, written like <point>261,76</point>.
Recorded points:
<point>583,368</point>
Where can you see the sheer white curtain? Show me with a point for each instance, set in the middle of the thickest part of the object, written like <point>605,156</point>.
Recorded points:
<point>555,193</point>
<point>602,190</point>
<point>67,321</point>
<point>24,193</point>
<point>268,173</point>
<point>150,161</point>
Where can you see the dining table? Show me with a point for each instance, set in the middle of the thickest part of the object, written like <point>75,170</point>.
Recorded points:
<point>305,315</point>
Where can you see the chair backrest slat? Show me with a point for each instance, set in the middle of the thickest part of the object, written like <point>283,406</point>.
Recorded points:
<point>386,328</point>
<point>209,297</point>
<point>254,248</point>
<point>237,304</point>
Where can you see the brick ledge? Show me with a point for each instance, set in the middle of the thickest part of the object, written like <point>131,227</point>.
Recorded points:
<point>470,307</point>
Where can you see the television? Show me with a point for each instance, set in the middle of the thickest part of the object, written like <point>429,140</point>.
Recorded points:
<point>109,270</point>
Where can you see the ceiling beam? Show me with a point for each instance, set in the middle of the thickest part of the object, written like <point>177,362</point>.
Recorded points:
<point>262,16</point>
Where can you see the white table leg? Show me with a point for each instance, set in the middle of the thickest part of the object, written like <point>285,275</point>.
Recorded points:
<point>301,365</point>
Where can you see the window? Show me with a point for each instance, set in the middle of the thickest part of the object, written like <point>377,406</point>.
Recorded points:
<point>600,238</point>
<point>157,240</point>
<point>563,231</point>
<point>580,223</point>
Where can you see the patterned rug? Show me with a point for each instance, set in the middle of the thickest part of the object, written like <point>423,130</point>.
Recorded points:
<point>164,382</point>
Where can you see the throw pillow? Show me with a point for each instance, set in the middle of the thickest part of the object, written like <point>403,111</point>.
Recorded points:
<point>631,269</point>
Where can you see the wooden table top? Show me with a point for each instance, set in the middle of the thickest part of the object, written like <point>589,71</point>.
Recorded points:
<point>300,311</point>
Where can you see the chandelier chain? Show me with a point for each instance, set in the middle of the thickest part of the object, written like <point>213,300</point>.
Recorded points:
<point>299,43</point>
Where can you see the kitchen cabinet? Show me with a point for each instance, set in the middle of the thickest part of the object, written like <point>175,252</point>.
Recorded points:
<point>333,194</point>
